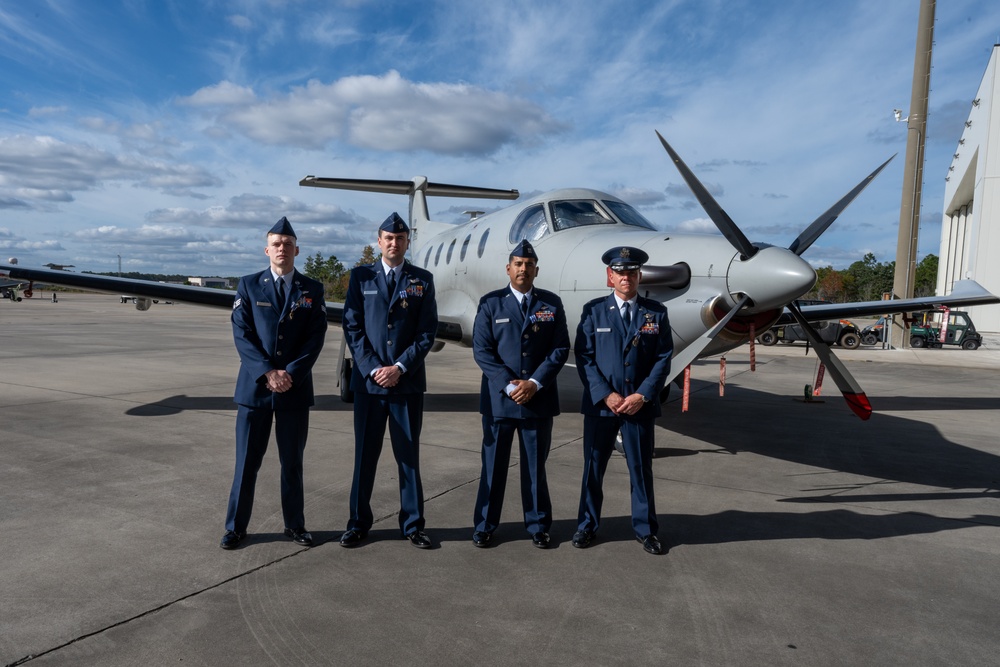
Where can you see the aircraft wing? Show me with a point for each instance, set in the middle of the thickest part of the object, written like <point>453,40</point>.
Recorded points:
<point>148,289</point>
<point>965,293</point>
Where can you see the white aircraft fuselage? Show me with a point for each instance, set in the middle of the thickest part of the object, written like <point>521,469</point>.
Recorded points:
<point>468,260</point>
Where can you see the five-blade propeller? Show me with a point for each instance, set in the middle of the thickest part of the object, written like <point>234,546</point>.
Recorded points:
<point>853,393</point>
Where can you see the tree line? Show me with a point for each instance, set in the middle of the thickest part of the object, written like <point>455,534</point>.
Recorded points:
<point>868,279</point>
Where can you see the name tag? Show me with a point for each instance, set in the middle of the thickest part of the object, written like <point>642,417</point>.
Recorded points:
<point>502,321</point>
<point>264,303</point>
<point>374,291</point>
<point>603,330</point>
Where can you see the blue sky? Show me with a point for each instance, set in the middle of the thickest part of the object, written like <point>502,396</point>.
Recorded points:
<point>175,133</point>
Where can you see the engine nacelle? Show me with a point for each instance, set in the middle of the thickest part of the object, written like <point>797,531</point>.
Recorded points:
<point>143,303</point>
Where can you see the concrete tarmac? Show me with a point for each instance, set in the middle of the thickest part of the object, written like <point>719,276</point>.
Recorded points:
<point>798,534</point>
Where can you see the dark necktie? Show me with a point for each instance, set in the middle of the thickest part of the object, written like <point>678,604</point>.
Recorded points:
<point>627,315</point>
<point>390,281</point>
<point>524,306</point>
<point>281,293</point>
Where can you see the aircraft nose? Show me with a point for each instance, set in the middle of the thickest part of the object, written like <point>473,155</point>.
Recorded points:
<point>772,278</point>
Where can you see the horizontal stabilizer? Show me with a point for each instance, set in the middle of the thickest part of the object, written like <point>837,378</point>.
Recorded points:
<point>407,188</point>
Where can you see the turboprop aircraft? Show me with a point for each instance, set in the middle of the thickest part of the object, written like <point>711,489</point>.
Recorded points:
<point>718,289</point>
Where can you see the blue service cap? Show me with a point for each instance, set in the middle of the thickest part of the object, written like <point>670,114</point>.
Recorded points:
<point>625,258</point>
<point>283,227</point>
<point>524,249</point>
<point>394,225</point>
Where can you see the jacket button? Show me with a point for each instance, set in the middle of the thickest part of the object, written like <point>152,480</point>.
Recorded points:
<point>281,337</point>
<point>390,326</point>
<point>279,353</point>
<point>525,336</point>
<point>627,363</point>
<point>388,342</point>
<point>524,354</point>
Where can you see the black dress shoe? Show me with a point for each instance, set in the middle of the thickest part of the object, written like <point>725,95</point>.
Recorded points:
<point>419,539</point>
<point>302,537</point>
<point>541,540</point>
<point>582,539</point>
<point>482,539</point>
<point>651,544</point>
<point>352,538</point>
<point>231,539</point>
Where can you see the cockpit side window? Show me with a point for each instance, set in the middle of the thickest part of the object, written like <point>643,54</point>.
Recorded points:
<point>530,225</point>
<point>629,215</point>
<point>578,213</point>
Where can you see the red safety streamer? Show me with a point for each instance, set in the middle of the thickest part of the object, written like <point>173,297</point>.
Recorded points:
<point>687,389</point>
<point>753,349</point>
<point>818,387</point>
<point>945,313</point>
<point>722,376</point>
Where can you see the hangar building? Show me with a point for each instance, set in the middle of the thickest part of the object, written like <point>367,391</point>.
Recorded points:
<point>970,229</point>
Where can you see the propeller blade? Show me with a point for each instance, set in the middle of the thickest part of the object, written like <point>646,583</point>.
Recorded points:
<point>820,225</point>
<point>721,219</point>
<point>691,352</point>
<point>855,396</point>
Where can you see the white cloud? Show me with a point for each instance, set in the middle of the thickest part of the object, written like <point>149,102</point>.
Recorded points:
<point>224,93</point>
<point>42,168</point>
<point>384,113</point>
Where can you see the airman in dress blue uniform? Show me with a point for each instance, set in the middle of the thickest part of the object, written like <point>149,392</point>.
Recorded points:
<point>623,347</point>
<point>390,321</point>
<point>520,342</point>
<point>279,326</point>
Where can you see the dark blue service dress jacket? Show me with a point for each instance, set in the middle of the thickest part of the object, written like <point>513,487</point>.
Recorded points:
<point>268,339</point>
<point>609,358</point>
<point>382,329</point>
<point>506,345</point>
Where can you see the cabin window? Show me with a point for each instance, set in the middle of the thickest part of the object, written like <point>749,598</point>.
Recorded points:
<point>451,249</point>
<point>482,243</point>
<point>437,255</point>
<point>427,257</point>
<point>465,247</point>
<point>530,225</point>
<point>578,213</point>
<point>629,215</point>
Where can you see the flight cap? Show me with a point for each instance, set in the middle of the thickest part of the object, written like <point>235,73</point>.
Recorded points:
<point>523,249</point>
<point>394,225</point>
<point>625,258</point>
<point>283,227</point>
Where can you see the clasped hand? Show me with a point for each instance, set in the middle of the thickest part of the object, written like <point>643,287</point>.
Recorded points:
<point>624,405</point>
<point>387,376</point>
<point>278,381</point>
<point>526,390</point>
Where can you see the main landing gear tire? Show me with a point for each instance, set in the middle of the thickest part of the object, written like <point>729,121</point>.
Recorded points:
<point>767,338</point>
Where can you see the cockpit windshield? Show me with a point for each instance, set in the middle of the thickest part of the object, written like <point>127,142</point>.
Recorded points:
<point>532,225</point>
<point>578,213</point>
<point>629,215</point>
